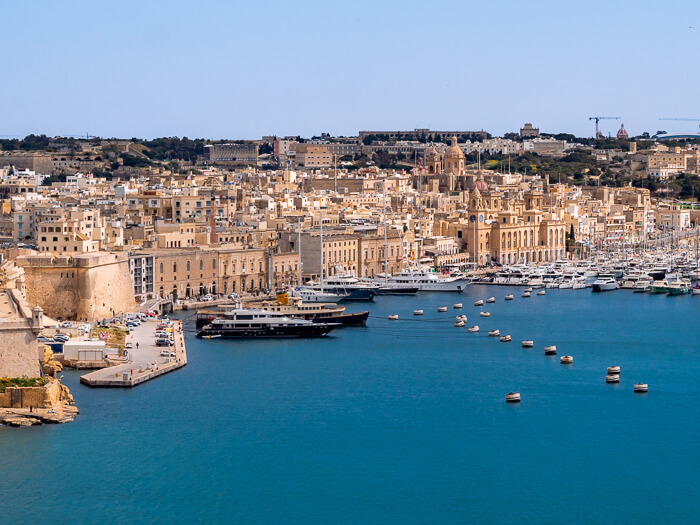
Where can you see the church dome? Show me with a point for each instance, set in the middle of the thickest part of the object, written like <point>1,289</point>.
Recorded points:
<point>480,183</point>
<point>453,150</point>
<point>622,133</point>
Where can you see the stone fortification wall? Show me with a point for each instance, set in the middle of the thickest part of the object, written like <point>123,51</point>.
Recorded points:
<point>48,396</point>
<point>86,286</point>
<point>19,350</point>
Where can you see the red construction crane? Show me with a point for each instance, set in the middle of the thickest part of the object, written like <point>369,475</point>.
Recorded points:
<point>601,118</point>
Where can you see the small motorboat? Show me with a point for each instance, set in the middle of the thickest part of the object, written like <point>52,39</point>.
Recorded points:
<point>550,350</point>
<point>457,306</point>
<point>393,317</point>
<point>461,318</point>
<point>695,290</point>
<point>612,378</point>
<point>566,360</point>
<point>473,329</point>
<point>417,312</point>
<point>513,397</point>
<point>442,308</point>
<point>613,370</point>
<point>541,292</point>
<point>525,294</point>
<point>494,333</point>
<point>480,302</point>
<point>528,289</point>
<point>509,297</point>
<point>641,388</point>
<point>485,314</point>
<point>528,344</point>
<point>491,300</point>
<point>505,339</point>
<point>459,323</point>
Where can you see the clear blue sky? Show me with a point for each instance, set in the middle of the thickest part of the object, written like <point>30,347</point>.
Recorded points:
<point>243,69</point>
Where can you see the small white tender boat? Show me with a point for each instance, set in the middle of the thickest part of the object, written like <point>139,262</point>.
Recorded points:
<point>509,297</point>
<point>528,289</point>
<point>612,378</point>
<point>566,360</point>
<point>480,302</point>
<point>457,306</point>
<point>525,294</point>
<point>442,308</point>
<point>485,314</point>
<point>393,317</point>
<point>541,292</point>
<point>550,350</point>
<point>417,312</point>
<point>494,333</point>
<point>513,397</point>
<point>641,388</point>
<point>505,339</point>
<point>528,344</point>
<point>461,318</point>
<point>613,370</point>
<point>459,323</point>
<point>473,329</point>
<point>491,300</point>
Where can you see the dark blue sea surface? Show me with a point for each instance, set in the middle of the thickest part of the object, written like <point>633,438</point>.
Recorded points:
<point>398,422</point>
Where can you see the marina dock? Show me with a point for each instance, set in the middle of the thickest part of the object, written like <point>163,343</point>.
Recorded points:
<point>145,361</point>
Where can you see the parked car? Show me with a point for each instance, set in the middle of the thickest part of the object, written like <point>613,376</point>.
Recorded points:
<point>167,353</point>
<point>44,339</point>
<point>161,341</point>
<point>129,345</point>
<point>67,324</point>
<point>61,338</point>
<point>207,298</point>
<point>131,325</point>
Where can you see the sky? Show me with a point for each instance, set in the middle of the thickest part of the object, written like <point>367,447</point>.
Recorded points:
<point>243,69</point>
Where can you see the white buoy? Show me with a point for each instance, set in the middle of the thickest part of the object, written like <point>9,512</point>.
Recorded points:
<point>513,397</point>
<point>550,350</point>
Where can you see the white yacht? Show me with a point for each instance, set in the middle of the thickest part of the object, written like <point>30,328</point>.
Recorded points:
<point>426,281</point>
<point>316,296</point>
<point>605,283</point>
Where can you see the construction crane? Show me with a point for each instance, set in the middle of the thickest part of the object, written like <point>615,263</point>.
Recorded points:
<point>601,118</point>
<point>685,119</point>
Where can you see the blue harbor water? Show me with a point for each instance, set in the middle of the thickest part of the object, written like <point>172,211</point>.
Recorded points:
<point>397,422</point>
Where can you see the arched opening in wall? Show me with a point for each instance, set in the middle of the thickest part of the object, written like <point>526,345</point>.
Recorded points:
<point>188,290</point>
<point>202,290</point>
<point>161,292</point>
<point>213,288</point>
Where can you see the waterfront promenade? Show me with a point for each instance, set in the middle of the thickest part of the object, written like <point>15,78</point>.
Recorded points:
<point>144,362</point>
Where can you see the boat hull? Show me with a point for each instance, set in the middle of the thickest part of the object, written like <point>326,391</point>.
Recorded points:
<point>268,332</point>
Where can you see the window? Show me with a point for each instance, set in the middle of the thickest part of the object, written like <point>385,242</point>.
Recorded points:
<point>188,266</point>
<point>213,264</point>
<point>161,267</point>
<point>174,267</point>
<point>201,265</point>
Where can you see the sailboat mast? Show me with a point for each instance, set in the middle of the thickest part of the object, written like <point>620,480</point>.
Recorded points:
<point>321,221</point>
<point>386,242</point>
<point>299,250</point>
